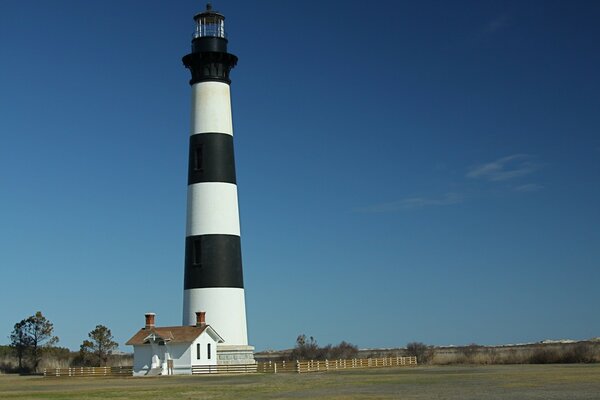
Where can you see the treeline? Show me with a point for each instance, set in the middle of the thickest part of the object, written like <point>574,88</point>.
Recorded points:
<point>539,353</point>
<point>308,349</point>
<point>33,347</point>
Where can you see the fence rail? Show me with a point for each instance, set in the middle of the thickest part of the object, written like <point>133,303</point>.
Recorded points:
<point>88,372</point>
<point>332,365</point>
<point>277,367</point>
<point>263,367</point>
<point>224,369</point>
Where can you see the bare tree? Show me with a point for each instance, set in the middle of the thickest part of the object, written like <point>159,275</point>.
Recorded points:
<point>308,349</point>
<point>343,351</point>
<point>420,350</point>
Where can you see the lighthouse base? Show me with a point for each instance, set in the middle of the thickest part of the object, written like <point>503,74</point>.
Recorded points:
<point>235,355</point>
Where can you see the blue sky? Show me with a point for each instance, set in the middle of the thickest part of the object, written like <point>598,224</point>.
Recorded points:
<point>407,170</point>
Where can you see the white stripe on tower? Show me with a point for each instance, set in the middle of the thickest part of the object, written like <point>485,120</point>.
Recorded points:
<point>211,108</point>
<point>212,209</point>
<point>213,267</point>
<point>229,308</point>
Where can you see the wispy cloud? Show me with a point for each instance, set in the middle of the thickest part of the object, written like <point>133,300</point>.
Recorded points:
<point>529,187</point>
<point>505,168</point>
<point>412,203</point>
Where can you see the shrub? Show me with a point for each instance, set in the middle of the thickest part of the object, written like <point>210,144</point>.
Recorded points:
<point>420,350</point>
<point>543,355</point>
<point>469,351</point>
<point>308,349</point>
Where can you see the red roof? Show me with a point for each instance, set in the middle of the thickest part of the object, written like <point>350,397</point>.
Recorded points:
<point>170,334</point>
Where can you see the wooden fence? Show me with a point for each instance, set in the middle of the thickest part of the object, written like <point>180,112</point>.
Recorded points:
<point>88,371</point>
<point>264,367</point>
<point>224,369</point>
<point>332,365</point>
<point>277,367</point>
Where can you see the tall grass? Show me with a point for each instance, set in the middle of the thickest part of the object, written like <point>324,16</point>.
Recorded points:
<point>556,353</point>
<point>63,358</point>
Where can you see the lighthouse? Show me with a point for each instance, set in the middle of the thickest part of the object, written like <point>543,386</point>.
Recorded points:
<point>213,279</point>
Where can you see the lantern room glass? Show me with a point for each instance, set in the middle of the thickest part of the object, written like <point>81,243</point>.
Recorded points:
<point>210,25</point>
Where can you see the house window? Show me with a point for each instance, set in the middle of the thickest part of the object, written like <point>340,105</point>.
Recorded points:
<point>197,252</point>
<point>208,350</point>
<point>198,351</point>
<point>198,158</point>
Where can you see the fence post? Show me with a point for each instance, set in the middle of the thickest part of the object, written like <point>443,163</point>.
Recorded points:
<point>297,366</point>
<point>275,368</point>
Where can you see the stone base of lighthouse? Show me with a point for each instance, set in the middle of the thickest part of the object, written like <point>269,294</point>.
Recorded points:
<point>235,355</point>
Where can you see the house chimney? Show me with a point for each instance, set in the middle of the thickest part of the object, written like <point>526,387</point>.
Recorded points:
<point>150,320</point>
<point>200,318</point>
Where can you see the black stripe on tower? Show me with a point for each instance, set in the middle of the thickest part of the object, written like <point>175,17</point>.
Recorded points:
<point>213,261</point>
<point>211,158</point>
<point>209,60</point>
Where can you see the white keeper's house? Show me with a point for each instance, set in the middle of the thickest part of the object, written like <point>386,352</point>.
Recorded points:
<point>173,350</point>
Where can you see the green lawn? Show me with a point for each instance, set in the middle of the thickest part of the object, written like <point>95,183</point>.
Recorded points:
<point>488,382</point>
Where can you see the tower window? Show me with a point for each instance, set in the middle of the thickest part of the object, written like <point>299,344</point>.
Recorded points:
<point>197,351</point>
<point>197,158</point>
<point>197,252</point>
<point>208,350</point>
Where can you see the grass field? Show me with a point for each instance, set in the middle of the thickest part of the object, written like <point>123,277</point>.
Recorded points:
<point>576,381</point>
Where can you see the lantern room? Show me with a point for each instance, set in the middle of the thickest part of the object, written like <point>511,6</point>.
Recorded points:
<point>209,24</point>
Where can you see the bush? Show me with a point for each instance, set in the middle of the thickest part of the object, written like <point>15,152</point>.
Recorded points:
<point>543,355</point>
<point>469,351</point>
<point>343,351</point>
<point>308,349</point>
<point>420,350</point>
<point>579,353</point>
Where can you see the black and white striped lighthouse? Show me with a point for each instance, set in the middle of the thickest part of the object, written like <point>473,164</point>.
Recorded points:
<point>213,264</point>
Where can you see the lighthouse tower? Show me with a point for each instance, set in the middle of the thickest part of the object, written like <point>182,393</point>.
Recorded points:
<point>213,280</point>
